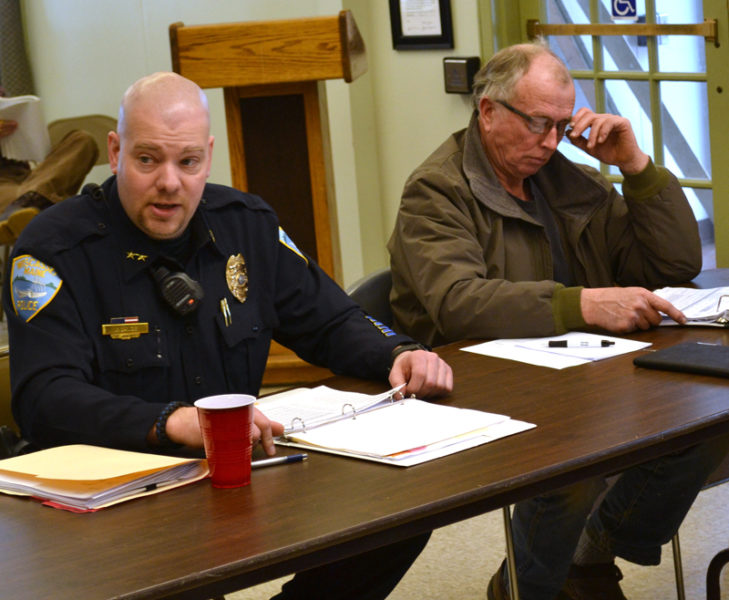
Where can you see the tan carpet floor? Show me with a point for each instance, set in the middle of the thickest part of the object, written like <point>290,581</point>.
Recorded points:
<point>460,558</point>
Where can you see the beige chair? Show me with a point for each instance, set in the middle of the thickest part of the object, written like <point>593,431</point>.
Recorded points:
<point>9,440</point>
<point>96,125</point>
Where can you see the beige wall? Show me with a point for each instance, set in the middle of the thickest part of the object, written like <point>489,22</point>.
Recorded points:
<point>403,114</point>
<point>85,53</point>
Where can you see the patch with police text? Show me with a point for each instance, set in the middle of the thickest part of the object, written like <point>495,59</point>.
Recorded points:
<point>33,284</point>
<point>289,243</point>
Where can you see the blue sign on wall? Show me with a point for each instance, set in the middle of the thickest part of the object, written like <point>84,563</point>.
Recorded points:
<point>624,9</point>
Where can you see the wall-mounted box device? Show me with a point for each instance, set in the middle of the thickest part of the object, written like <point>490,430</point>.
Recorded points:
<point>458,73</point>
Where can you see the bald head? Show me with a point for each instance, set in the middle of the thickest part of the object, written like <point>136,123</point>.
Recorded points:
<point>167,95</point>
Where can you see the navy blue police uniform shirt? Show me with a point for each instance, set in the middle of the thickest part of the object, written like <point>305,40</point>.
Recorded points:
<point>82,264</point>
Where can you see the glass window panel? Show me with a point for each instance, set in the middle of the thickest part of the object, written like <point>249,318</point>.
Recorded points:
<point>575,51</point>
<point>685,122</point>
<point>680,53</point>
<point>624,53</point>
<point>631,99</point>
<point>701,201</point>
<point>584,94</point>
<point>567,11</point>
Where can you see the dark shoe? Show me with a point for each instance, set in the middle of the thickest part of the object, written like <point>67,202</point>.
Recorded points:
<point>593,582</point>
<point>497,586</point>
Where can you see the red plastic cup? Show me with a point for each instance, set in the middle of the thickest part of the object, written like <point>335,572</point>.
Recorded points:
<point>226,422</point>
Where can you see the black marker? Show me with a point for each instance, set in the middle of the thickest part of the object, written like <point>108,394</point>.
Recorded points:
<point>585,344</point>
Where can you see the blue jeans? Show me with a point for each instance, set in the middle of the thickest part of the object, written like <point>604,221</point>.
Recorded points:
<point>639,513</point>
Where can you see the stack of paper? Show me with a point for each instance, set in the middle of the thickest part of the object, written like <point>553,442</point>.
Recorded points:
<point>85,478</point>
<point>30,141</point>
<point>701,306</point>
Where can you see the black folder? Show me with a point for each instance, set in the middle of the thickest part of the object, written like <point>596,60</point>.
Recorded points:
<point>689,357</point>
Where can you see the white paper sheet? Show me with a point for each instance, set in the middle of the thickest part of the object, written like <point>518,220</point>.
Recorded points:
<point>701,306</point>
<point>581,348</point>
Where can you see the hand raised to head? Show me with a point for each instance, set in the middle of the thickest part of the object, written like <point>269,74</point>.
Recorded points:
<point>610,139</point>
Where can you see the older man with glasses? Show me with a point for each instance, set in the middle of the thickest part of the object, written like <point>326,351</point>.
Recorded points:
<point>499,235</point>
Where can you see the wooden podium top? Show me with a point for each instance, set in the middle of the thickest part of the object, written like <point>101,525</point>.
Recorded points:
<point>269,52</point>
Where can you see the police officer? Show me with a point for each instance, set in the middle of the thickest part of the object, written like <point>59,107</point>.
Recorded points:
<point>127,304</point>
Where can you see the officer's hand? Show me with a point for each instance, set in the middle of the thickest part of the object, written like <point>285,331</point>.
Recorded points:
<point>610,140</point>
<point>264,430</point>
<point>424,373</point>
<point>623,310</point>
<point>183,428</point>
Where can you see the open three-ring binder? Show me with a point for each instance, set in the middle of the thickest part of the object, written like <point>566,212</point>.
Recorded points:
<point>303,409</point>
<point>707,307</point>
<point>381,427</point>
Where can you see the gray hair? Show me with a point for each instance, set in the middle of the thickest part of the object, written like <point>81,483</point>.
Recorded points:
<point>499,76</point>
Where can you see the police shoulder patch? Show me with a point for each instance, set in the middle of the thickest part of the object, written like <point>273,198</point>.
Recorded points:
<point>33,284</point>
<point>288,242</point>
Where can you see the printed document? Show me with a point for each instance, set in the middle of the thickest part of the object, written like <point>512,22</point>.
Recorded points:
<point>558,352</point>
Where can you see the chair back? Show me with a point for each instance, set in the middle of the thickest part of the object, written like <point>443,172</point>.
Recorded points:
<point>372,293</point>
<point>9,438</point>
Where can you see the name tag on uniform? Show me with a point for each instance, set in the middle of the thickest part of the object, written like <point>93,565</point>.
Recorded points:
<point>124,328</point>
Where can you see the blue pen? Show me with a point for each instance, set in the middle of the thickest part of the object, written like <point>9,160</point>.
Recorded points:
<point>278,460</point>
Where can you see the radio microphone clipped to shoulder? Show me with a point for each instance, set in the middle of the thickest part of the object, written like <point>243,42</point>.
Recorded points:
<point>178,289</point>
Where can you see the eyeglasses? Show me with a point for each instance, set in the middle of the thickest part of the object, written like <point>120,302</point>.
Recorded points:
<point>540,125</point>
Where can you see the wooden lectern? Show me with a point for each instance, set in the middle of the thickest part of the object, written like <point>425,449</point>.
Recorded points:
<point>271,73</point>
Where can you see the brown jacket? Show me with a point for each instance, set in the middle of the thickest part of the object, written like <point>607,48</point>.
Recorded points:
<point>468,262</point>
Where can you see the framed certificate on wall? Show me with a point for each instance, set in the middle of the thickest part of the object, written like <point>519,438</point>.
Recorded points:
<point>421,24</point>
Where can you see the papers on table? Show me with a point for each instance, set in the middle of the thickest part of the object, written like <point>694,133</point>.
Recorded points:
<point>396,432</point>
<point>708,307</point>
<point>580,348</point>
<point>301,409</point>
<point>85,478</point>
